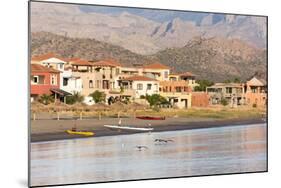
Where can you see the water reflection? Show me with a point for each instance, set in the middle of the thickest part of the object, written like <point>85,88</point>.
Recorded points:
<point>192,152</point>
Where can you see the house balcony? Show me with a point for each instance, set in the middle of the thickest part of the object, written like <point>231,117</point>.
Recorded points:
<point>128,92</point>
<point>175,94</point>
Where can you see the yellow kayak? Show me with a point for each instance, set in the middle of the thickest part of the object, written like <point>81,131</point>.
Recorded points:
<point>85,133</point>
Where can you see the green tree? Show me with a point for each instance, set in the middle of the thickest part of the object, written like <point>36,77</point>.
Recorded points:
<point>98,96</point>
<point>227,81</point>
<point>76,97</point>
<point>46,99</point>
<point>237,80</point>
<point>202,85</point>
<point>156,99</point>
<point>224,102</point>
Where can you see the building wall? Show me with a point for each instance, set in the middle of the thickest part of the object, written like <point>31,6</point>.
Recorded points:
<point>39,89</point>
<point>199,99</point>
<point>139,92</point>
<point>178,99</point>
<point>74,84</point>
<point>158,74</point>
<point>86,77</point>
<point>172,86</point>
<point>256,98</point>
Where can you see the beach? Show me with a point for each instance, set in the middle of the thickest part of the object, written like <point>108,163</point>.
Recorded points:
<point>52,129</point>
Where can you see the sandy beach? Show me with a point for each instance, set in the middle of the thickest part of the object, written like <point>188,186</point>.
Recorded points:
<point>51,129</point>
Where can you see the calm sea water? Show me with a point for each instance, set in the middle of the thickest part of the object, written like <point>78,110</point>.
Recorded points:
<point>193,152</point>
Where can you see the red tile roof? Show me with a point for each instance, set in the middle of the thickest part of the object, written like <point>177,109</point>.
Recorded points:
<point>47,56</point>
<point>187,74</point>
<point>156,66</point>
<point>139,78</point>
<point>107,63</point>
<point>41,68</point>
<point>80,62</point>
<point>73,59</point>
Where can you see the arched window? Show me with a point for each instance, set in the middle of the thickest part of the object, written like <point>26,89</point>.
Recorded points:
<point>91,84</point>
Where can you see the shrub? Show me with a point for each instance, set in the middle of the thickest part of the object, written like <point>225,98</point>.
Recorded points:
<point>202,85</point>
<point>46,99</point>
<point>156,99</point>
<point>98,96</point>
<point>76,97</point>
<point>224,102</point>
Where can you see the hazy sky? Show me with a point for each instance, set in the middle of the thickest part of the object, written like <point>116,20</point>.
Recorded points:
<point>156,15</point>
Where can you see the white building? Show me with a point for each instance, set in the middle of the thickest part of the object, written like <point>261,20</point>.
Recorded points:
<point>141,85</point>
<point>68,82</point>
<point>71,83</point>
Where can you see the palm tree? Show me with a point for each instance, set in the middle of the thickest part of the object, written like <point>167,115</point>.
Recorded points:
<point>46,99</point>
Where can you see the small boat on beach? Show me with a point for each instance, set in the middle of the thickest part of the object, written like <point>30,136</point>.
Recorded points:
<point>119,127</point>
<point>150,118</point>
<point>83,133</point>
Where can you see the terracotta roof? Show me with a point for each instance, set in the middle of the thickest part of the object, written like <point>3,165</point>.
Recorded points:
<point>73,59</point>
<point>226,85</point>
<point>47,56</point>
<point>107,63</point>
<point>139,78</point>
<point>41,68</point>
<point>156,66</point>
<point>81,62</point>
<point>187,74</point>
<point>256,82</point>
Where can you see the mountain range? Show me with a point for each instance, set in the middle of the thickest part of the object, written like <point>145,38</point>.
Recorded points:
<point>215,58</point>
<point>144,31</point>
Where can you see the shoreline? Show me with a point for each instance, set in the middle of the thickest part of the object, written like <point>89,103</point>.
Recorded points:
<point>159,126</point>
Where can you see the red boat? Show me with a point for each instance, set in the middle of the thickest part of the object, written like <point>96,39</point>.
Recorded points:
<point>150,118</point>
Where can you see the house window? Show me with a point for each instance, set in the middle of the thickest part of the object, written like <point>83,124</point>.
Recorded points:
<point>54,79</point>
<point>254,89</point>
<point>98,83</point>
<point>35,79</point>
<point>139,86</point>
<point>65,81</point>
<point>61,66</point>
<point>117,71</point>
<point>228,90</point>
<point>166,75</point>
<point>149,86</point>
<point>91,84</point>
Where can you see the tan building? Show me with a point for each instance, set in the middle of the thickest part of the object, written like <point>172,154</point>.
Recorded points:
<point>178,93</point>
<point>233,93</point>
<point>253,92</point>
<point>256,92</point>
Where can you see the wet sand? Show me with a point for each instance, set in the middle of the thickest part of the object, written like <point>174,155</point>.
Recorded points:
<point>50,129</point>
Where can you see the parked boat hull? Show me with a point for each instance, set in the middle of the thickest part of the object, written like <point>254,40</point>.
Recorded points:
<point>84,133</point>
<point>117,127</point>
<point>150,118</point>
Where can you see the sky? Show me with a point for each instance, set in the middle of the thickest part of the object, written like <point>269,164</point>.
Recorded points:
<point>152,14</point>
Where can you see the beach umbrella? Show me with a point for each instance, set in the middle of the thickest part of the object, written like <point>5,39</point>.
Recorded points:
<point>99,107</point>
<point>80,107</point>
<point>37,107</point>
<point>119,107</point>
<point>58,107</point>
<point>137,106</point>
